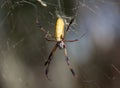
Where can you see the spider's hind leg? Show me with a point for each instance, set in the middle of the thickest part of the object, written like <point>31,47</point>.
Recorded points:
<point>70,23</point>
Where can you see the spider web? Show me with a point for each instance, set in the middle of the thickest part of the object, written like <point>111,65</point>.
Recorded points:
<point>22,41</point>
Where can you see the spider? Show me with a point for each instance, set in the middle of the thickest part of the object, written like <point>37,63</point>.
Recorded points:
<point>60,43</point>
<point>59,36</point>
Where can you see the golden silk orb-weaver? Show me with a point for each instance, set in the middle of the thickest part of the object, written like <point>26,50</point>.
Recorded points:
<point>60,42</point>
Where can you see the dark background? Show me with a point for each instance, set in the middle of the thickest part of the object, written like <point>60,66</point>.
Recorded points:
<point>23,48</point>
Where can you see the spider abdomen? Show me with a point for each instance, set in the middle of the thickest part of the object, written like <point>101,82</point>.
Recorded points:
<point>59,34</point>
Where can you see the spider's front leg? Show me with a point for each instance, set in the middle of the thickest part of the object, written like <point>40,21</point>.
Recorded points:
<point>68,63</point>
<point>47,62</point>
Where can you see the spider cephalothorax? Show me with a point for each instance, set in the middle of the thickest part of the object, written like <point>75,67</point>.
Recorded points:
<point>61,44</point>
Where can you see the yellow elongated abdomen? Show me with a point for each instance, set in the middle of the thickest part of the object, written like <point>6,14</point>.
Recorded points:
<point>59,32</point>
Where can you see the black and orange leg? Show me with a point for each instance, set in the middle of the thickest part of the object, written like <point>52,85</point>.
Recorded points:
<point>70,24</point>
<point>47,34</point>
<point>68,63</point>
<point>70,40</point>
<point>47,62</point>
<point>46,37</point>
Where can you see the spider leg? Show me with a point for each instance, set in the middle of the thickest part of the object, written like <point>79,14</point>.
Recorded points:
<point>50,40</point>
<point>46,37</point>
<point>68,63</point>
<point>47,62</point>
<point>47,32</point>
<point>69,24</point>
<point>71,40</point>
<point>75,39</point>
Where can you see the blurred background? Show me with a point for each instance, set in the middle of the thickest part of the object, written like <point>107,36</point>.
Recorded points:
<point>23,48</point>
